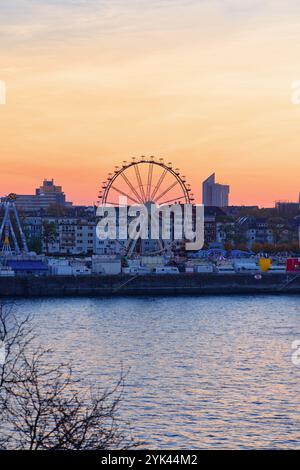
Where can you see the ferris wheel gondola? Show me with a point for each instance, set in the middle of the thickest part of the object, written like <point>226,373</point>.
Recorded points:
<point>145,181</point>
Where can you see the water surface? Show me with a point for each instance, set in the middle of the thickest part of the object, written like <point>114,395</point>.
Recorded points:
<point>205,372</point>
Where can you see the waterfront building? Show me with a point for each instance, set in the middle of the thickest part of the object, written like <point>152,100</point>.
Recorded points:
<point>236,211</point>
<point>108,247</point>
<point>76,235</point>
<point>226,232</point>
<point>287,208</point>
<point>258,231</point>
<point>210,229</point>
<point>48,194</point>
<point>214,194</point>
<point>68,235</point>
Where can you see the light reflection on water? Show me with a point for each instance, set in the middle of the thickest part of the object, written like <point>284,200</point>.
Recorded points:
<point>205,372</point>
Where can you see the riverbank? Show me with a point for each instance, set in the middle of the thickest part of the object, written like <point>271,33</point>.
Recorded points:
<point>180,284</point>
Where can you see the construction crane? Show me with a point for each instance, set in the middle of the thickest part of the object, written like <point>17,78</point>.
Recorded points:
<point>7,230</point>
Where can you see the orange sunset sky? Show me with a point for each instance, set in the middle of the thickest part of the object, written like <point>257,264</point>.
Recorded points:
<point>205,84</point>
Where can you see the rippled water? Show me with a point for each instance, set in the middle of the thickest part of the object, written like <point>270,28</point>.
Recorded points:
<point>205,372</point>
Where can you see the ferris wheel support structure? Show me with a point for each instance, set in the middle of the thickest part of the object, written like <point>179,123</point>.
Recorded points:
<point>7,230</point>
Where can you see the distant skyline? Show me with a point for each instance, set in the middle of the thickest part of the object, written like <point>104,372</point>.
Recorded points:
<point>32,192</point>
<point>205,84</point>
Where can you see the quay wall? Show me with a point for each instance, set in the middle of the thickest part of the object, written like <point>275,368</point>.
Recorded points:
<point>179,284</point>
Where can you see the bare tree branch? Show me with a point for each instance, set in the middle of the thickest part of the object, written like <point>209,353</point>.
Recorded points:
<point>42,406</point>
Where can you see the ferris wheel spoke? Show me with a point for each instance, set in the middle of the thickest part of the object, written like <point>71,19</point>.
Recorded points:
<point>140,182</point>
<point>149,181</point>
<point>132,188</point>
<point>162,177</point>
<point>166,191</point>
<point>125,194</point>
<point>152,182</point>
<point>172,200</point>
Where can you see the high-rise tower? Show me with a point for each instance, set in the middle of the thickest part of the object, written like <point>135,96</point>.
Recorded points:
<point>214,194</point>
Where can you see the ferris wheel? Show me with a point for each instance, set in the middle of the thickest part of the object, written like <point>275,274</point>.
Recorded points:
<point>146,180</point>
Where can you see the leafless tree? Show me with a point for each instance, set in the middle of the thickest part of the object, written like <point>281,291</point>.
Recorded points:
<point>43,406</point>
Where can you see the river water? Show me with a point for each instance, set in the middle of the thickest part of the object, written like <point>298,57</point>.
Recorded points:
<point>203,372</point>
